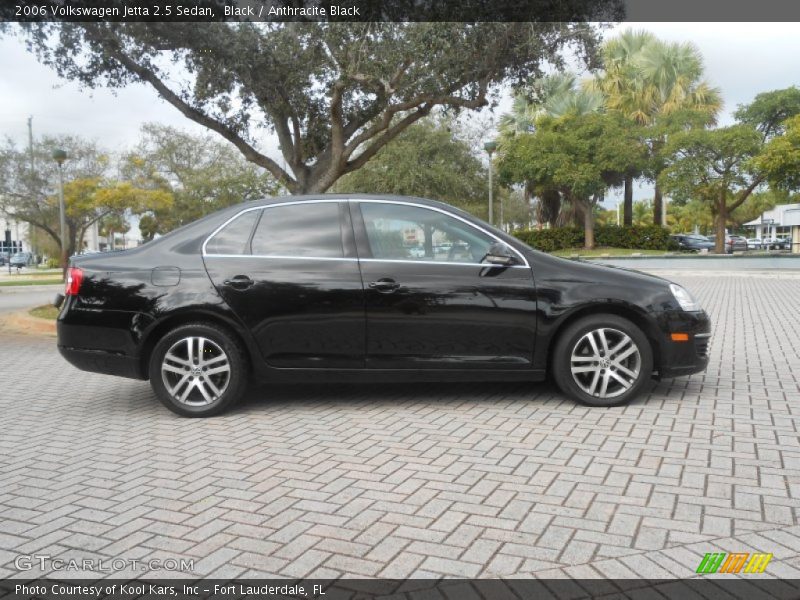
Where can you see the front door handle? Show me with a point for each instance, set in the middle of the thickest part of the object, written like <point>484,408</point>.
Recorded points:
<point>240,282</point>
<point>386,285</point>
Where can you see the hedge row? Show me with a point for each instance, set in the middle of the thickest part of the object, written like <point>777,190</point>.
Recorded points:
<point>645,237</point>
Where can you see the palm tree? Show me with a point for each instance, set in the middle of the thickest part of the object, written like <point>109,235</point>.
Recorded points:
<point>622,85</point>
<point>554,96</point>
<point>647,79</point>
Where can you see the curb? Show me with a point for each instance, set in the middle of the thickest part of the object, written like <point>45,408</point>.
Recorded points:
<point>22,322</point>
<point>20,289</point>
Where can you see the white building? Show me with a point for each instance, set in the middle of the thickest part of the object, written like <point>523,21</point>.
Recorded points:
<point>15,233</point>
<point>781,222</point>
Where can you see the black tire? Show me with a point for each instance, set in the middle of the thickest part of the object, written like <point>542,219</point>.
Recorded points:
<point>576,339</point>
<point>206,387</point>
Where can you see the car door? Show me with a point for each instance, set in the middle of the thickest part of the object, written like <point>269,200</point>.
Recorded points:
<point>290,274</point>
<point>430,301</point>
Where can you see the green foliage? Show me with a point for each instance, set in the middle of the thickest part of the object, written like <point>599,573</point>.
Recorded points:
<point>334,93</point>
<point>769,111</point>
<point>90,193</point>
<point>659,85</point>
<point>682,218</point>
<point>713,164</point>
<point>780,160</point>
<point>200,172</point>
<point>428,161</point>
<point>642,213</point>
<point>648,237</point>
<point>577,157</point>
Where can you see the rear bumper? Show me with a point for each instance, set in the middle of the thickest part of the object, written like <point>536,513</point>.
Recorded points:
<point>100,361</point>
<point>100,341</point>
<point>679,358</point>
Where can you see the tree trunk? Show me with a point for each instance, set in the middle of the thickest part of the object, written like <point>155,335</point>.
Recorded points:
<point>658,199</point>
<point>588,225</point>
<point>627,206</point>
<point>721,218</point>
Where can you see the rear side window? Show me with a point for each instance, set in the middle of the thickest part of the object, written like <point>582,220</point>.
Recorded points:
<point>233,238</point>
<point>307,229</point>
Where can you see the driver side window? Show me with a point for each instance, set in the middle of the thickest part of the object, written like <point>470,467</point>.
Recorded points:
<point>402,232</point>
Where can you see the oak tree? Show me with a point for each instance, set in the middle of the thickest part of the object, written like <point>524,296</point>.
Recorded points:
<point>334,94</point>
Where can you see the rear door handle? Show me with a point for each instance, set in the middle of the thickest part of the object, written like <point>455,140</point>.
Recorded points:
<point>385,285</point>
<point>240,282</point>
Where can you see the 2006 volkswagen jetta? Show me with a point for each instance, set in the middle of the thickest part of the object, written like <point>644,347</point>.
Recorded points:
<point>368,288</point>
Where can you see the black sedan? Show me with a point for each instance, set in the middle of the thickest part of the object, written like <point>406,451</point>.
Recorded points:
<point>692,241</point>
<point>359,288</point>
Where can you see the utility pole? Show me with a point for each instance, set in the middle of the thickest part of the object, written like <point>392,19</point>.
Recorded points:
<point>490,147</point>
<point>31,228</point>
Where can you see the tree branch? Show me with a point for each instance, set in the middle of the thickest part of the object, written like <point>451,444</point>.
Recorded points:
<point>112,46</point>
<point>745,193</point>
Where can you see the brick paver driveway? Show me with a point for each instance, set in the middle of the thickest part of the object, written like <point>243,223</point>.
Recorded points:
<point>419,480</point>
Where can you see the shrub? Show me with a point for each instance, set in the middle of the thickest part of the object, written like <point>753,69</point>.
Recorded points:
<point>639,237</point>
<point>52,263</point>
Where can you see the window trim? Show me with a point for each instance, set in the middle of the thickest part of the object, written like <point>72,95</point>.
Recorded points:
<point>351,201</point>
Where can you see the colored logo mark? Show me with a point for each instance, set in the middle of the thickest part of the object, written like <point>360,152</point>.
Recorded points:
<point>735,562</point>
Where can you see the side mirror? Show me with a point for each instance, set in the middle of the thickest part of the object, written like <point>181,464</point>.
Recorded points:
<point>500,254</point>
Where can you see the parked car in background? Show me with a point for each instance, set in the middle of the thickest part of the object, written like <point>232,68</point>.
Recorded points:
<point>3,258</point>
<point>733,243</point>
<point>753,243</point>
<point>21,259</point>
<point>692,241</point>
<point>322,287</point>
<point>777,244</point>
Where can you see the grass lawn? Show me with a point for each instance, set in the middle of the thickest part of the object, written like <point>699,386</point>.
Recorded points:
<point>46,311</point>
<point>35,281</point>
<point>598,252</point>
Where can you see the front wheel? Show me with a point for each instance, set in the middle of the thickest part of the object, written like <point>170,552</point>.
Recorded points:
<point>602,360</point>
<point>198,370</point>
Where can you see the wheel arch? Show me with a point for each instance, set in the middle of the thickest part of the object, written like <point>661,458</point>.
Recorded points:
<point>637,317</point>
<point>170,322</point>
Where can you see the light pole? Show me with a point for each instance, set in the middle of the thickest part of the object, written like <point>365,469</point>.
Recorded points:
<point>490,147</point>
<point>7,244</point>
<point>60,156</point>
<point>763,237</point>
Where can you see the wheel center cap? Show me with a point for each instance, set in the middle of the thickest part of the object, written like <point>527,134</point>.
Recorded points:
<point>604,362</point>
<point>196,370</point>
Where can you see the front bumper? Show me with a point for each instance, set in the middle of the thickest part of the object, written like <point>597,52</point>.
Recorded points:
<point>677,358</point>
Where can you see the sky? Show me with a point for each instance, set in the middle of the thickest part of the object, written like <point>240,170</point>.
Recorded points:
<point>742,59</point>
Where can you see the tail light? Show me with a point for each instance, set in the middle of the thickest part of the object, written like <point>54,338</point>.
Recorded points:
<point>74,281</point>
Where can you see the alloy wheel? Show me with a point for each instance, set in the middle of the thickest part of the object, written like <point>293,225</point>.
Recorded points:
<point>196,371</point>
<point>605,362</point>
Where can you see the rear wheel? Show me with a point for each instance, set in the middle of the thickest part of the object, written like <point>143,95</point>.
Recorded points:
<point>198,370</point>
<point>602,360</point>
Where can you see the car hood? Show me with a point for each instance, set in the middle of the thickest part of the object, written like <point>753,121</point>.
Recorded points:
<point>580,270</point>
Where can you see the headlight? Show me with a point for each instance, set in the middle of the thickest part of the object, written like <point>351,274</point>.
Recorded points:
<point>684,298</point>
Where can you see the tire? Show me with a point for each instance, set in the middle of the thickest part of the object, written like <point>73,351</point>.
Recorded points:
<point>198,370</point>
<point>623,378</point>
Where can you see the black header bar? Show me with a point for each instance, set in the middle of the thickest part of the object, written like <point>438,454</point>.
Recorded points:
<point>273,11</point>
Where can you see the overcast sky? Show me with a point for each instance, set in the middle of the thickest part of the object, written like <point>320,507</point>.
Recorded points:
<point>742,59</point>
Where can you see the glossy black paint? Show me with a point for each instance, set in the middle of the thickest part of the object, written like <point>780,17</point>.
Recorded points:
<point>354,317</point>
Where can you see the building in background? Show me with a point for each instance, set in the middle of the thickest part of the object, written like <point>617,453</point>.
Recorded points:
<point>782,222</point>
<point>14,235</point>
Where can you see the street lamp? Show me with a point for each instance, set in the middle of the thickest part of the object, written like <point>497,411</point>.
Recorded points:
<point>7,243</point>
<point>490,147</point>
<point>763,237</point>
<point>60,156</point>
